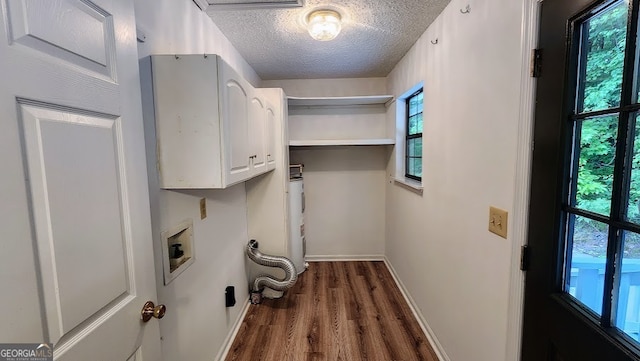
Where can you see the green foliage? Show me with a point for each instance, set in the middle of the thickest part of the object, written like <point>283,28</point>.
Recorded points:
<point>633,212</point>
<point>602,83</point>
<point>595,172</point>
<point>606,39</point>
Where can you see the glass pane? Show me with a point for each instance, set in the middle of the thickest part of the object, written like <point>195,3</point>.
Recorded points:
<point>588,258</point>
<point>415,124</point>
<point>602,59</point>
<point>414,166</point>
<point>417,165</point>
<point>411,169</point>
<point>415,104</point>
<point>414,147</point>
<point>628,311</point>
<point>633,206</point>
<point>595,165</point>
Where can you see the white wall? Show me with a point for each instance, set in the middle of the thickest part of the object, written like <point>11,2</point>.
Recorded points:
<point>455,270</point>
<point>344,189</point>
<point>197,321</point>
<point>179,27</point>
<point>344,186</point>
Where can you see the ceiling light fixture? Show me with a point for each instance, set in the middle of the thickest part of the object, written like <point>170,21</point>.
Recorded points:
<point>324,24</point>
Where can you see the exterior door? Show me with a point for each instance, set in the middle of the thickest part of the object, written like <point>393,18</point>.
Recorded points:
<point>582,298</point>
<point>76,262</point>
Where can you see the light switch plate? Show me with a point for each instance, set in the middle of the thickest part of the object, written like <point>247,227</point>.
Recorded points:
<point>498,219</point>
<point>203,208</point>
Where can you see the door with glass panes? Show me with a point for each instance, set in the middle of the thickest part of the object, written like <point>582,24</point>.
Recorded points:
<point>582,298</point>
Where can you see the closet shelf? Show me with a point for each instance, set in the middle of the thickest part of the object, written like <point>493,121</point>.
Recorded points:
<point>330,142</point>
<point>339,101</point>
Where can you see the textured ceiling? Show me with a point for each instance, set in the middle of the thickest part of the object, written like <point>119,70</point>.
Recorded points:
<point>374,37</point>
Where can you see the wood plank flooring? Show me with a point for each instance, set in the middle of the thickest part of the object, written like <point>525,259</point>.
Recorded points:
<point>346,311</point>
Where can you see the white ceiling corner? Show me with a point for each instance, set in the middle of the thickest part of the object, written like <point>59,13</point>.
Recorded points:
<point>375,36</point>
<point>202,4</point>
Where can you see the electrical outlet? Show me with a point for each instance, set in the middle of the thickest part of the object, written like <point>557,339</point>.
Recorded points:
<point>203,208</point>
<point>498,221</point>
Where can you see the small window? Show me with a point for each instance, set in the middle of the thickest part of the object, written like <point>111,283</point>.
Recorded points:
<point>413,138</point>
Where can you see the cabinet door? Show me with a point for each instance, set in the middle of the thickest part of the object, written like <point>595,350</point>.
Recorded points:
<point>185,91</point>
<point>234,122</point>
<point>257,135</point>
<point>271,136</point>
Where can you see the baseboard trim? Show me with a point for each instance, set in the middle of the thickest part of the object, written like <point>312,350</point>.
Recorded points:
<point>226,346</point>
<point>329,258</point>
<point>433,340</point>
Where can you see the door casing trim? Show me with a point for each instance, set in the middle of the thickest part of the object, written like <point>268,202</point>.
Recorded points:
<point>524,152</point>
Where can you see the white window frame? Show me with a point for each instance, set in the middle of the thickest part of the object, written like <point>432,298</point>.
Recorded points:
<point>401,131</point>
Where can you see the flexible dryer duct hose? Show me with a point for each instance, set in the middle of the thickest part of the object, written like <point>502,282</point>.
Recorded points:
<point>262,281</point>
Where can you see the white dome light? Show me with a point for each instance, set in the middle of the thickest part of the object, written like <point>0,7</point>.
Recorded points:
<point>324,25</point>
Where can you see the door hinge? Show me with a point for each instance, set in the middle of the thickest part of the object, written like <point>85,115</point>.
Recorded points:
<point>536,63</point>
<point>524,258</point>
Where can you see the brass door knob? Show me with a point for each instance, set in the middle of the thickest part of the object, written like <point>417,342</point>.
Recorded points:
<point>150,310</point>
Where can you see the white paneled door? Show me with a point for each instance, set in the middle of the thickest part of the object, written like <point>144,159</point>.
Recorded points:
<point>76,263</point>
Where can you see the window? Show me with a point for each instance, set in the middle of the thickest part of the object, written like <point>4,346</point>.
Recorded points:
<point>601,205</point>
<point>413,138</point>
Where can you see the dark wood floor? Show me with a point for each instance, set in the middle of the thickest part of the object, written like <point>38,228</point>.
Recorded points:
<point>345,311</point>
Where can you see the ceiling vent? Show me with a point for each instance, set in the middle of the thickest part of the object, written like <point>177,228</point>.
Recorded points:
<point>252,4</point>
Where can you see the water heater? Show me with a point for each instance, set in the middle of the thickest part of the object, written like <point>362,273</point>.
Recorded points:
<point>297,241</point>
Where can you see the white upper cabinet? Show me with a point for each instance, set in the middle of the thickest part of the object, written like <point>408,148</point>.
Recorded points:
<point>234,116</point>
<point>210,123</point>
<point>271,124</point>
<point>257,132</point>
